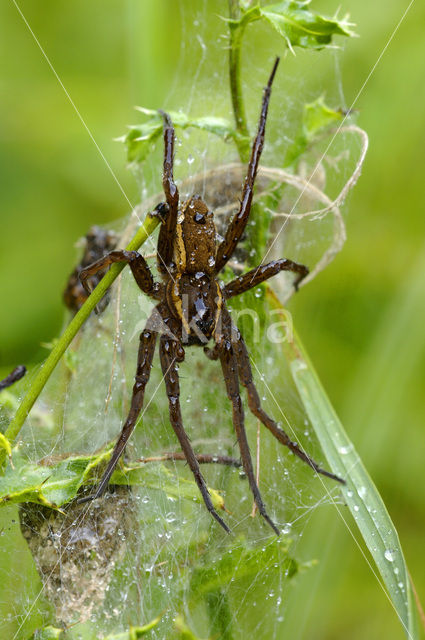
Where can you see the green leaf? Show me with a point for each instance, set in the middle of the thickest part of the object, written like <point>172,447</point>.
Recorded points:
<point>140,137</point>
<point>317,115</point>
<point>53,485</point>
<point>303,28</point>
<point>360,493</point>
<point>299,26</point>
<point>242,561</point>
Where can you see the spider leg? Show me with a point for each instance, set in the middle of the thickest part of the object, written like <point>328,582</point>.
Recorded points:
<point>202,458</point>
<point>214,353</point>
<point>138,265</point>
<point>254,404</point>
<point>167,232</point>
<point>15,375</point>
<point>264,272</point>
<point>144,363</point>
<point>170,352</point>
<point>240,219</point>
<point>230,370</point>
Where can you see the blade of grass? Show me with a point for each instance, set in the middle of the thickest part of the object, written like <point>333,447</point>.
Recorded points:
<point>148,226</point>
<point>360,493</point>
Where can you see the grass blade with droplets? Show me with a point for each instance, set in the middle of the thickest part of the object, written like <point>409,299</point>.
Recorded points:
<point>360,494</point>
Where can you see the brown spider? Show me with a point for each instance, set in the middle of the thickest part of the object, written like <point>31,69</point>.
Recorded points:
<point>98,243</point>
<point>191,310</point>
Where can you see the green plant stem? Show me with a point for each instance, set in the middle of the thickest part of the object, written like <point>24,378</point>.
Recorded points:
<point>148,226</point>
<point>235,45</point>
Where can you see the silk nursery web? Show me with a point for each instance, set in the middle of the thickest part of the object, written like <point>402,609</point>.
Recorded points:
<point>152,545</point>
<point>148,552</point>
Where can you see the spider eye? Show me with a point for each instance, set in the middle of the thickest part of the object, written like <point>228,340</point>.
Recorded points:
<point>199,218</point>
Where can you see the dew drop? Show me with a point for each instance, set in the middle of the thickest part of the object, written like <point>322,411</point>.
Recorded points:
<point>362,492</point>
<point>344,450</point>
<point>170,517</point>
<point>389,555</point>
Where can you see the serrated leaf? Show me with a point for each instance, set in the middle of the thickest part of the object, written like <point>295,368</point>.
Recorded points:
<point>299,26</point>
<point>54,485</point>
<point>303,28</point>
<point>140,137</point>
<point>243,561</point>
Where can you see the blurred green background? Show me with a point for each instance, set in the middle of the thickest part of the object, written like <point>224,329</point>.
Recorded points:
<point>362,320</point>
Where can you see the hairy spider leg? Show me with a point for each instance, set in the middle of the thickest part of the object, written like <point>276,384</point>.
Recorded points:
<point>144,364</point>
<point>15,375</point>
<point>202,458</point>
<point>230,371</point>
<point>167,231</point>
<point>240,219</point>
<point>261,273</point>
<point>170,353</point>
<point>139,268</point>
<point>245,374</point>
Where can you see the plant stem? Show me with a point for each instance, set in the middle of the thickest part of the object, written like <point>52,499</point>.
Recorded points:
<point>148,226</point>
<point>235,44</point>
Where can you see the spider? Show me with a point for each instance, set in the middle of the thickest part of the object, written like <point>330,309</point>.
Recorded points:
<point>191,310</point>
<point>98,242</point>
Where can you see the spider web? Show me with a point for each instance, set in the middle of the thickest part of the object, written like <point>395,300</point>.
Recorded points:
<point>145,551</point>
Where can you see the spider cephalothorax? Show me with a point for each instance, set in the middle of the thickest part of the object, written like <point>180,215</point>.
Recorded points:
<point>191,310</point>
